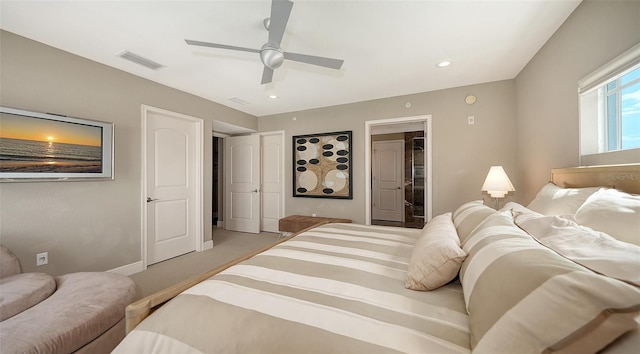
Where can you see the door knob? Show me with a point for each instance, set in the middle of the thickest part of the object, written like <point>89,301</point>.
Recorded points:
<point>149,199</point>
<point>399,188</point>
<point>255,190</point>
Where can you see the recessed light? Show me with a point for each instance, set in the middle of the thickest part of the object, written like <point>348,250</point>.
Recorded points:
<point>443,64</point>
<point>273,97</point>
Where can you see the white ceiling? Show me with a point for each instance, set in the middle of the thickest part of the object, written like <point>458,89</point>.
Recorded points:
<point>390,48</point>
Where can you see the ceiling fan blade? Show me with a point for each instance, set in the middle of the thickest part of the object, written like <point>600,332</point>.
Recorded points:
<point>280,11</point>
<point>222,46</point>
<point>267,75</point>
<point>314,60</point>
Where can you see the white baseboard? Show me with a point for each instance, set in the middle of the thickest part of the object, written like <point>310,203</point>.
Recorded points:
<point>137,266</point>
<point>220,224</point>
<point>128,269</point>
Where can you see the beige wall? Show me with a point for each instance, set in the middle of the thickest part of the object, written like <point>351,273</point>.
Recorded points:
<point>88,226</point>
<point>528,125</point>
<point>462,153</point>
<point>546,89</point>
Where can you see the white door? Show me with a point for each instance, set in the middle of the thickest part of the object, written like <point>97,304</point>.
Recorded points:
<point>242,183</point>
<point>272,181</point>
<point>173,204</point>
<point>388,180</point>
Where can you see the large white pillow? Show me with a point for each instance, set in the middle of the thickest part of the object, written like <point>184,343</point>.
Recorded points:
<point>613,212</point>
<point>553,200</point>
<point>593,249</point>
<point>436,256</point>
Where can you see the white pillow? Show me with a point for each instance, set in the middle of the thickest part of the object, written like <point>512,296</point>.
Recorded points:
<point>436,257</point>
<point>613,212</point>
<point>593,249</point>
<point>553,200</point>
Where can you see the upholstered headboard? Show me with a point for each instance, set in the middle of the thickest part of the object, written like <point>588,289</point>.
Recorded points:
<point>622,177</point>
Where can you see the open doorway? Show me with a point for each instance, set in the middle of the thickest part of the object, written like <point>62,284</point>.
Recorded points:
<point>220,132</point>
<point>403,147</point>
<point>267,185</point>
<point>217,201</point>
<point>398,183</point>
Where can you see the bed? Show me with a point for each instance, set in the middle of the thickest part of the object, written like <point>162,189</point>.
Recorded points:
<point>475,279</point>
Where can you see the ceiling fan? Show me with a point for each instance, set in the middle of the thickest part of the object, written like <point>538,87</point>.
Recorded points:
<point>271,54</point>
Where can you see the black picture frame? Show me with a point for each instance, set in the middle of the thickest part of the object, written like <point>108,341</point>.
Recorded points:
<point>322,165</point>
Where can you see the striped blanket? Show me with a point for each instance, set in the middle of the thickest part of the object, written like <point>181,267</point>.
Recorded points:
<point>336,288</point>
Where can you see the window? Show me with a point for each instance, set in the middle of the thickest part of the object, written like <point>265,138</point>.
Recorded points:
<point>610,111</point>
<point>623,112</point>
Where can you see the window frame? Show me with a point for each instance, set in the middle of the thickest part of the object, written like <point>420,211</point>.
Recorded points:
<point>592,97</point>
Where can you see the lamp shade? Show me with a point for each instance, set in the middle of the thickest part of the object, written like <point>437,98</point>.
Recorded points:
<point>497,183</point>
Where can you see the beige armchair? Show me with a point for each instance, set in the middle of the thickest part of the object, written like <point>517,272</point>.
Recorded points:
<point>76,312</point>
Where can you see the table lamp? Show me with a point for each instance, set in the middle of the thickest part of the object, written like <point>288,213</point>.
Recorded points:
<point>497,184</point>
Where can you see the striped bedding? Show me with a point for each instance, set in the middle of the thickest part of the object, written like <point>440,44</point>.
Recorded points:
<point>335,288</point>
<point>523,297</point>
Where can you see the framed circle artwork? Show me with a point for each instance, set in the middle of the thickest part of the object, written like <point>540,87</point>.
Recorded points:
<point>322,165</point>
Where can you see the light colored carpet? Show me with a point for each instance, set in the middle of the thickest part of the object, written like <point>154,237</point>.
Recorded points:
<point>227,246</point>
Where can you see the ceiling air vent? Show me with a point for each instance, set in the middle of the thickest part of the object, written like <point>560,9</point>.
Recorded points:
<point>238,100</point>
<point>140,60</point>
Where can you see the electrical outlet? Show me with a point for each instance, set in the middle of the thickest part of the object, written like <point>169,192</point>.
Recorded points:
<point>42,258</point>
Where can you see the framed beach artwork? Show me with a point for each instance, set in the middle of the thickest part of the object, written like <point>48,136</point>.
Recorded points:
<point>322,165</point>
<point>41,146</point>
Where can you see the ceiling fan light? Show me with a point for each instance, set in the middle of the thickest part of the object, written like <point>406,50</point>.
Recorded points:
<point>272,57</point>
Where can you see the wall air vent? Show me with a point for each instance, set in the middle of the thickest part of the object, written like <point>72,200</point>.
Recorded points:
<point>140,60</point>
<point>238,100</point>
